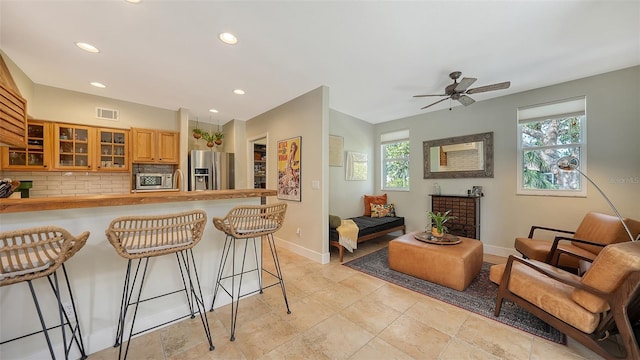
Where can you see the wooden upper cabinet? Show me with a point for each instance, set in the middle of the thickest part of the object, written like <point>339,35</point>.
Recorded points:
<point>143,145</point>
<point>112,150</point>
<point>73,147</point>
<point>65,147</point>
<point>168,147</point>
<point>13,111</point>
<point>155,146</point>
<point>36,155</point>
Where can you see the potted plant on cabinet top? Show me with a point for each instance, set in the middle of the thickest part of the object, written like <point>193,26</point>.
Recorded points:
<point>438,219</point>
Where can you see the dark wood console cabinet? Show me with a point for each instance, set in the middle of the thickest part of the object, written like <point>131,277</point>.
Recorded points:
<point>466,210</point>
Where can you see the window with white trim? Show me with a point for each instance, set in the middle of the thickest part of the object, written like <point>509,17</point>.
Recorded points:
<point>546,133</point>
<point>395,160</point>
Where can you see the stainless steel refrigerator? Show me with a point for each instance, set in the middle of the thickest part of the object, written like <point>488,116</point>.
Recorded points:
<point>211,170</point>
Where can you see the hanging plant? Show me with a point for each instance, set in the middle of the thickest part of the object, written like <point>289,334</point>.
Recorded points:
<point>197,133</point>
<point>218,136</point>
<point>210,139</point>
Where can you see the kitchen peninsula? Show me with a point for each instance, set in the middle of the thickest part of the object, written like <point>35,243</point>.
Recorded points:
<point>141,198</point>
<point>97,272</point>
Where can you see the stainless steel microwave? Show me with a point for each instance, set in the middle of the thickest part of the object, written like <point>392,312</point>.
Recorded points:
<point>153,181</point>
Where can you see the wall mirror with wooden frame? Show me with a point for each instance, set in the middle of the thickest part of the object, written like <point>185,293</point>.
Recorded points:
<point>468,156</point>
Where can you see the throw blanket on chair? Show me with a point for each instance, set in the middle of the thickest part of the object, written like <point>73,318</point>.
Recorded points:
<point>348,232</point>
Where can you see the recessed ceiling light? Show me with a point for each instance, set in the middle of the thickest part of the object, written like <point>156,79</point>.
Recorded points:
<point>238,92</point>
<point>228,38</point>
<point>98,85</point>
<point>87,47</point>
<point>213,110</point>
<point>133,1</point>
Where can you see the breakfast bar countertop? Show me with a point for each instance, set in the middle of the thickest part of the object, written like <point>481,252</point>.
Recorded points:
<point>75,202</point>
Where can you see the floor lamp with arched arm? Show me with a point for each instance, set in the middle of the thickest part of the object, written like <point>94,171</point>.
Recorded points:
<point>571,163</point>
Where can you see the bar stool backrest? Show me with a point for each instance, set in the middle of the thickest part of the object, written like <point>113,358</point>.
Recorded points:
<point>252,221</point>
<point>135,237</point>
<point>35,252</point>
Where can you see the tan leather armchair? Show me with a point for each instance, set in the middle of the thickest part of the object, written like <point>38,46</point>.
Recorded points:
<point>603,302</point>
<point>596,230</point>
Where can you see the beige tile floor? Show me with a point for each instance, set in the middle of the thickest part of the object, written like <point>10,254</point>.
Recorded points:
<point>340,313</point>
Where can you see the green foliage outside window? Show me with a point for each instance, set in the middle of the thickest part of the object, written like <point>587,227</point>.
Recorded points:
<point>543,143</point>
<point>396,165</point>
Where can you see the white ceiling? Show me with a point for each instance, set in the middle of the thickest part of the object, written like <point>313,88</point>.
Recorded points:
<point>373,56</point>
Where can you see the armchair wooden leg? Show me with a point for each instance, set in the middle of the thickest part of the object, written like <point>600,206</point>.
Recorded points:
<point>623,314</point>
<point>504,286</point>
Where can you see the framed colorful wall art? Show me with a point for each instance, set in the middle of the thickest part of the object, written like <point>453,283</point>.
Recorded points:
<point>289,169</point>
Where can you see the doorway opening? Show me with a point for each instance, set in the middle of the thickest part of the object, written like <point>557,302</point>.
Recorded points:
<point>260,163</point>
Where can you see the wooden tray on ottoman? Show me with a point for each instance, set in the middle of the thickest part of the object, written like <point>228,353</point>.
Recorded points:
<point>450,266</point>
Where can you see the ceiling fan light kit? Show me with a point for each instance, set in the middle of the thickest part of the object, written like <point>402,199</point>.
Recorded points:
<point>459,90</point>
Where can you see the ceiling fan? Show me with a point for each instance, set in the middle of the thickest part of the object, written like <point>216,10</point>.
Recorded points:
<point>458,90</point>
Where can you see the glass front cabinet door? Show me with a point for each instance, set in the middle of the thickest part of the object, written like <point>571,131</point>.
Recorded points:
<point>37,153</point>
<point>72,147</point>
<point>113,150</point>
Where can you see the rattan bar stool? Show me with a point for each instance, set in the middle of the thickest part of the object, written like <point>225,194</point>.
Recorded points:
<point>38,252</point>
<point>249,223</point>
<point>143,237</point>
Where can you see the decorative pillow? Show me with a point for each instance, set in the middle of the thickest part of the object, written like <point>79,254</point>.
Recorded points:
<point>334,221</point>
<point>368,200</point>
<point>378,210</point>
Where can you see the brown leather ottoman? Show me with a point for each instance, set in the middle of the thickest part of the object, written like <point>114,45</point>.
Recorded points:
<point>453,266</point>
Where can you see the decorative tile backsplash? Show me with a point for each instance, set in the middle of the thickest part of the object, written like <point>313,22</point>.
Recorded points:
<point>72,183</point>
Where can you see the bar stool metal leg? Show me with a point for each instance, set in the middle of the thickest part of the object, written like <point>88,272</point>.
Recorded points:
<point>40,252</point>
<point>278,275</point>
<point>229,250</point>
<point>74,330</point>
<point>191,288</point>
<point>142,237</point>
<point>65,322</point>
<point>248,223</point>
<point>42,323</point>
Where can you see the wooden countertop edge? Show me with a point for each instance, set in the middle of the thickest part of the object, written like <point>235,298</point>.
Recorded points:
<point>76,202</point>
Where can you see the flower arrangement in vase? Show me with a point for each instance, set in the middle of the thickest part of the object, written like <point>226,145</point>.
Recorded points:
<point>438,219</point>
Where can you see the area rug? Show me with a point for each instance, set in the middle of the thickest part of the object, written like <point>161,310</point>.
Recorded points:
<point>479,297</point>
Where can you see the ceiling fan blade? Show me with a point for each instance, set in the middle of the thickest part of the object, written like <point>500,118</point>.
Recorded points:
<point>429,95</point>
<point>465,100</point>
<point>498,86</point>
<point>439,101</point>
<point>464,84</point>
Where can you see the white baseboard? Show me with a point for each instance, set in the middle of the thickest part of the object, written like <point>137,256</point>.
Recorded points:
<point>322,258</point>
<point>499,251</point>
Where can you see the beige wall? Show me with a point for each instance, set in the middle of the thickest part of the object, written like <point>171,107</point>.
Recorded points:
<point>54,104</point>
<point>306,116</point>
<point>613,127</point>
<point>613,111</point>
<point>345,197</point>
<point>79,108</point>
<point>25,85</point>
